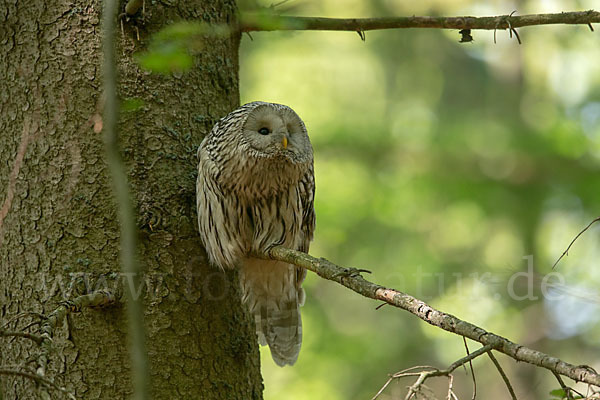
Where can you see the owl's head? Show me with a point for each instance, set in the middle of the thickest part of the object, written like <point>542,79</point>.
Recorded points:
<point>275,130</point>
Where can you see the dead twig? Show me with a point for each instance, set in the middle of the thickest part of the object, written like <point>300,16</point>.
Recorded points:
<point>568,390</point>
<point>36,338</point>
<point>430,372</point>
<point>472,371</point>
<point>566,252</point>
<point>38,379</point>
<point>513,396</point>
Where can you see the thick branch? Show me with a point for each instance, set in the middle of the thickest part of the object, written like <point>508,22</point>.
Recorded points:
<point>273,22</point>
<point>349,278</point>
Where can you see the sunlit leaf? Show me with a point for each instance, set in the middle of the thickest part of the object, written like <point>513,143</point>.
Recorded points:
<point>172,49</point>
<point>166,59</point>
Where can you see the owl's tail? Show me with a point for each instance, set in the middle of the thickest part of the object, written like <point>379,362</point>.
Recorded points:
<point>272,292</point>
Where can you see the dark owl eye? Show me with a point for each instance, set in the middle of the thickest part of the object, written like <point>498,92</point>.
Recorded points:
<point>264,131</point>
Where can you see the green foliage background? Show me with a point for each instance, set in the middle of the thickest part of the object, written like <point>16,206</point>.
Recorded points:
<point>440,166</point>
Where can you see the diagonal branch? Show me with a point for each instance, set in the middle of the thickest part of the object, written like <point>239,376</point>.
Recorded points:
<point>349,278</point>
<point>513,396</point>
<point>36,338</point>
<point>38,379</point>
<point>466,359</point>
<point>266,21</point>
<point>566,252</point>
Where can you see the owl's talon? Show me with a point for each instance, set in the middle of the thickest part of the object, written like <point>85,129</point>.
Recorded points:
<point>351,272</point>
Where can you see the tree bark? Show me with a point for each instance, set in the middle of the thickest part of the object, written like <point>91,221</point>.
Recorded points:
<point>58,229</point>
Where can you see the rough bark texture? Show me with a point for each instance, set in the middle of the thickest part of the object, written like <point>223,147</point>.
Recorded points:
<point>57,214</point>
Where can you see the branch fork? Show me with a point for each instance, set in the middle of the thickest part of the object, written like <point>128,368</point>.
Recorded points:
<point>448,322</point>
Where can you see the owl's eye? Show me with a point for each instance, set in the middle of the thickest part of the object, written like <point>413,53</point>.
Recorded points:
<point>264,131</point>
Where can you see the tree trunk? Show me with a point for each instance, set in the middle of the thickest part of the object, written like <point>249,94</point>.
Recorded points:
<point>58,226</point>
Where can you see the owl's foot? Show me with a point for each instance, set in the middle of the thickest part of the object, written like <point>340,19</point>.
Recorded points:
<point>351,273</point>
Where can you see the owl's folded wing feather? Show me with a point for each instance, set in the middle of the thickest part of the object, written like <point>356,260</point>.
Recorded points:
<point>307,197</point>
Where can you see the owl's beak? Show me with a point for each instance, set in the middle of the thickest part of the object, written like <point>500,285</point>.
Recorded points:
<point>284,142</point>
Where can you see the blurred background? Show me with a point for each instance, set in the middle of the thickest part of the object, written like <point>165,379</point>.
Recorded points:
<point>456,172</point>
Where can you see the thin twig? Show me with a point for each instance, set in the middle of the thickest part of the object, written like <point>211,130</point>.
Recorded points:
<point>472,370</point>
<point>33,323</point>
<point>400,374</point>
<point>511,29</point>
<point>268,21</point>
<point>282,2</point>
<point>564,387</point>
<point>446,372</point>
<point>450,391</point>
<point>513,396</point>
<point>37,378</point>
<point>566,252</point>
<point>448,322</point>
<point>128,231</point>
<point>414,388</point>
<point>385,385</point>
<point>27,335</point>
<point>430,372</point>
<point>21,315</point>
<point>464,360</point>
<point>96,299</point>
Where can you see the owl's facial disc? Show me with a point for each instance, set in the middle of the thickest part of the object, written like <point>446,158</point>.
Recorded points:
<point>272,132</point>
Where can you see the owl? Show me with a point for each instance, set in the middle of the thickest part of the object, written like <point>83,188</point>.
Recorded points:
<point>255,190</point>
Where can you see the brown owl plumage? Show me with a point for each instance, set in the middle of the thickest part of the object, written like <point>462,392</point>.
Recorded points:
<point>255,190</point>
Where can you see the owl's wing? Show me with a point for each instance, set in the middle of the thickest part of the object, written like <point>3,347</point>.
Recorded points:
<point>307,197</point>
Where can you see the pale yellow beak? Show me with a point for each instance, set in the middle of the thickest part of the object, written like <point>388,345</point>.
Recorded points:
<point>284,142</point>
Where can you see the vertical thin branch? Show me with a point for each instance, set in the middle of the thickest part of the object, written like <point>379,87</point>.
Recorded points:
<point>129,263</point>
<point>472,370</point>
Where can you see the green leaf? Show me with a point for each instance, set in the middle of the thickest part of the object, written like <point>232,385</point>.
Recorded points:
<point>166,59</point>
<point>172,48</point>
